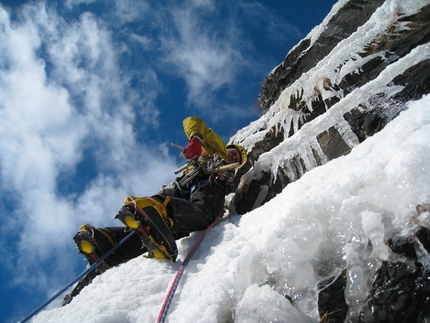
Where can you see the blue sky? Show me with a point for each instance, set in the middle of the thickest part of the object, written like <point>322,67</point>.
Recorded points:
<point>91,95</point>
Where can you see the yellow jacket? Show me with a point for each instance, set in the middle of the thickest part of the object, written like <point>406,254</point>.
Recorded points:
<point>212,142</point>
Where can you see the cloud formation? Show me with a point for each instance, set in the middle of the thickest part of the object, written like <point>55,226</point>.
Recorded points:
<point>63,97</point>
<point>205,60</point>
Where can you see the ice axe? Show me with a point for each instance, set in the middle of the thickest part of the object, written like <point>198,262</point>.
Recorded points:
<point>177,146</point>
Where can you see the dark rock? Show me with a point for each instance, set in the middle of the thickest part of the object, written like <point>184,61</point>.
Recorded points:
<point>363,123</point>
<point>403,245</point>
<point>407,245</point>
<point>416,82</point>
<point>332,143</point>
<point>331,299</point>
<point>399,293</point>
<point>272,139</point>
<point>367,72</point>
<point>399,290</point>
<point>305,56</point>
<point>246,196</point>
<point>423,235</point>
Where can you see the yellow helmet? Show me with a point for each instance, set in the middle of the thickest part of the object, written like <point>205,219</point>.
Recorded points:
<point>242,152</point>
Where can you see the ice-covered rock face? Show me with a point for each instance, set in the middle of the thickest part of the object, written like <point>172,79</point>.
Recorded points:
<point>306,55</point>
<point>344,82</point>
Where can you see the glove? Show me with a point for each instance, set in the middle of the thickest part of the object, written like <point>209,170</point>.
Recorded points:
<point>194,148</point>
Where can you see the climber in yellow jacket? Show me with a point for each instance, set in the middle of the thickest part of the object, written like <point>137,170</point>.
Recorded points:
<point>190,203</point>
<point>196,129</point>
<point>195,205</point>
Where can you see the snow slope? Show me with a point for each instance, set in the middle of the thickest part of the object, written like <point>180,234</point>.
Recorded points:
<point>316,226</point>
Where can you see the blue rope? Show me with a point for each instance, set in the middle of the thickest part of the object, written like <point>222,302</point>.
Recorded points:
<point>88,270</point>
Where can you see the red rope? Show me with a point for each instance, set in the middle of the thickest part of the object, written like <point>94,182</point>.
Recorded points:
<point>165,308</point>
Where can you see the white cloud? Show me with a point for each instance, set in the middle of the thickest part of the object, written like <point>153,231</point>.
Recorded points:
<point>206,4</point>
<point>62,92</point>
<point>276,29</point>
<point>206,61</point>
<point>130,10</point>
<point>34,113</point>
<point>144,41</point>
<point>71,3</point>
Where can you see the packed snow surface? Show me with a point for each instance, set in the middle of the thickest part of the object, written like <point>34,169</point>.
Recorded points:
<point>317,226</point>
